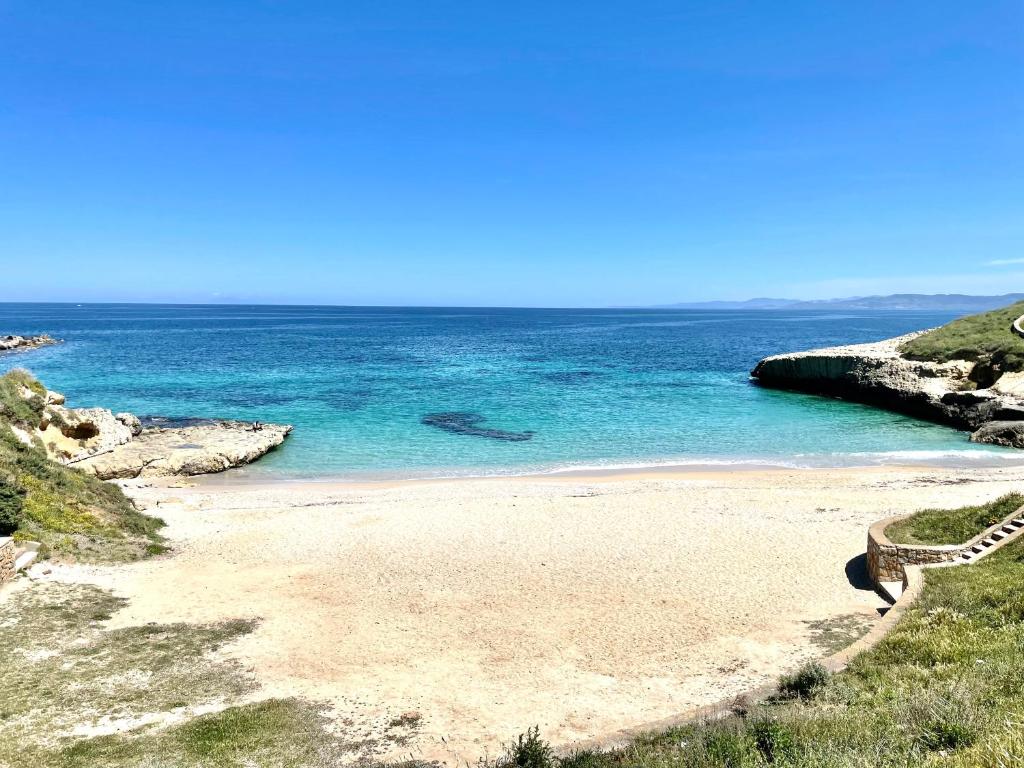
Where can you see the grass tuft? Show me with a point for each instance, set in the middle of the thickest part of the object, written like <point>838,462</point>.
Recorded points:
<point>805,682</point>
<point>952,526</point>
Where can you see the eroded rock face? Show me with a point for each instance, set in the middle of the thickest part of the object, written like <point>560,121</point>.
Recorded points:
<point>72,434</point>
<point>878,375</point>
<point>1008,433</point>
<point>12,343</point>
<point>192,450</point>
<point>113,445</point>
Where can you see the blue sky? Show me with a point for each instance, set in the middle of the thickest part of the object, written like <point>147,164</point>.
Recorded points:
<point>529,154</point>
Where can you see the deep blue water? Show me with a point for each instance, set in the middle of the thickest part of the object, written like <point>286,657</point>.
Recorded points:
<point>577,387</point>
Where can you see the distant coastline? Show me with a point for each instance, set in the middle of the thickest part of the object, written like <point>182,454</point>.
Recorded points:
<point>948,302</point>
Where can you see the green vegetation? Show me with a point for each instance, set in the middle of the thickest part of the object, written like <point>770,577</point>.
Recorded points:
<point>986,337</point>
<point>952,526</point>
<point>945,688</point>
<point>69,512</point>
<point>61,670</point>
<point>804,683</point>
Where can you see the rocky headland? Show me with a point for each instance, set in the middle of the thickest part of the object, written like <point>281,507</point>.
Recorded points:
<point>119,446</point>
<point>966,394</point>
<point>18,343</point>
<point>197,449</point>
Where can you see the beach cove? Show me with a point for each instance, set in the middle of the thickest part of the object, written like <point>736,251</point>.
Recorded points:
<point>582,604</point>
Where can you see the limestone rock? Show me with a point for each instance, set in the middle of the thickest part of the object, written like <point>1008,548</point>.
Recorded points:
<point>1010,384</point>
<point>12,343</point>
<point>189,450</point>
<point>131,421</point>
<point>878,375</point>
<point>72,434</point>
<point>1008,433</point>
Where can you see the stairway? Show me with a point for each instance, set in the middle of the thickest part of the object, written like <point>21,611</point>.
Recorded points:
<point>894,589</point>
<point>982,546</point>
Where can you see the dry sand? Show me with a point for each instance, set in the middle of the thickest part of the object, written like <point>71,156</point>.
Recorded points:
<point>581,604</point>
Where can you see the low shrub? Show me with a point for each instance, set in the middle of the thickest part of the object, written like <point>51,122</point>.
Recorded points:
<point>529,750</point>
<point>805,682</point>
<point>12,502</point>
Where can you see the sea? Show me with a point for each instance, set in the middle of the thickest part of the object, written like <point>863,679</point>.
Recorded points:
<point>401,393</point>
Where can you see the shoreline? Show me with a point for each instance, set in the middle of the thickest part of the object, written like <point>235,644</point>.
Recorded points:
<point>245,477</point>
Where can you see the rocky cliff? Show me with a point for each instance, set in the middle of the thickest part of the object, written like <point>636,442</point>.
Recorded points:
<point>879,375</point>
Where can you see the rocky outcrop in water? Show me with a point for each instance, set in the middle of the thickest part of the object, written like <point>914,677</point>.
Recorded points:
<point>462,423</point>
<point>212,446</point>
<point>119,445</point>
<point>16,343</point>
<point>878,375</point>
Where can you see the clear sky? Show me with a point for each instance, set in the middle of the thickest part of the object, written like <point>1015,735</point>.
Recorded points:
<point>516,153</point>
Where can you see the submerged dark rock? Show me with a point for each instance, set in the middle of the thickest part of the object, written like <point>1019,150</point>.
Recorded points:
<point>572,377</point>
<point>462,423</point>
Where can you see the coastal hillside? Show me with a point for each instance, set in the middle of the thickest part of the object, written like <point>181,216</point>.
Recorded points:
<point>986,339</point>
<point>69,512</point>
<point>968,374</point>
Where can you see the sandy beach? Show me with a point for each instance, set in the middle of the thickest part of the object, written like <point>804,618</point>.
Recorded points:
<point>582,604</point>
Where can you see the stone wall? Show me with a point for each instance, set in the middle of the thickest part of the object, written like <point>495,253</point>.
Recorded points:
<point>886,559</point>
<point>6,559</point>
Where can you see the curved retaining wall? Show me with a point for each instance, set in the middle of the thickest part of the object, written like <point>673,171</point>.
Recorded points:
<point>887,560</point>
<point>6,559</point>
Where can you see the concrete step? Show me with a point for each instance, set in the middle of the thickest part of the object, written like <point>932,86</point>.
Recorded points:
<point>24,559</point>
<point>893,589</point>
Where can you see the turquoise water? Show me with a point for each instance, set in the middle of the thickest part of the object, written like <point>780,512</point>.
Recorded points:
<point>576,388</point>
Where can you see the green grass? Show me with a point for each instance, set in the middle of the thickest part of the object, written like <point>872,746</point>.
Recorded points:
<point>952,526</point>
<point>985,337</point>
<point>71,513</point>
<point>944,688</point>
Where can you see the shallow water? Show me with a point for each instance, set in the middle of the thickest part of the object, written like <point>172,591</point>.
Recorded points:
<point>395,392</point>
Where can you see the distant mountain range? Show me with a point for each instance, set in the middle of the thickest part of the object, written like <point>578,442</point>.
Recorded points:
<point>950,302</point>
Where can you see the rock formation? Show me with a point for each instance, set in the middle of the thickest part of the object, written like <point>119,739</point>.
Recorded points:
<point>111,445</point>
<point>192,450</point>
<point>12,343</point>
<point>877,374</point>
